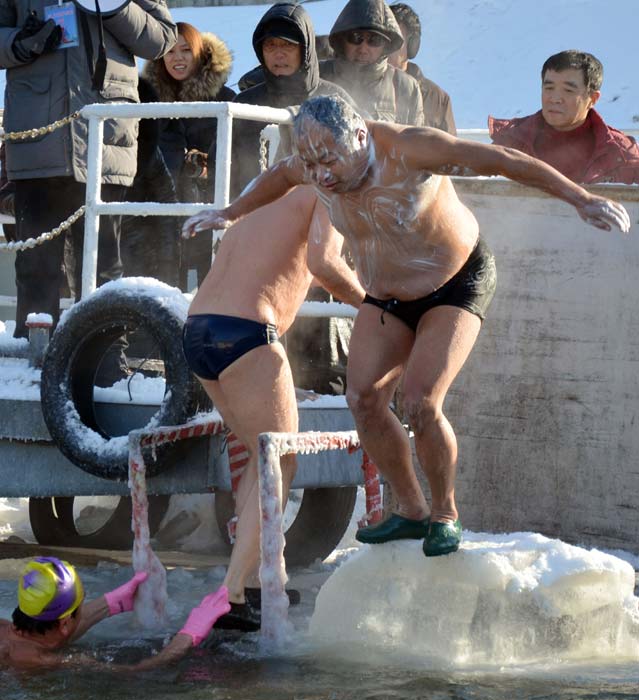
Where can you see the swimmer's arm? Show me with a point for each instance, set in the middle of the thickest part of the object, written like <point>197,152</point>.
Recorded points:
<point>325,261</point>
<point>265,188</point>
<point>439,152</point>
<point>90,614</point>
<point>173,652</point>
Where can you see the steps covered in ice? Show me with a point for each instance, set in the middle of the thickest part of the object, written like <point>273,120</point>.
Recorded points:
<point>501,599</point>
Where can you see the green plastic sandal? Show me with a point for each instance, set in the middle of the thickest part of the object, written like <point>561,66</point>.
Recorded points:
<point>442,538</point>
<point>396,527</point>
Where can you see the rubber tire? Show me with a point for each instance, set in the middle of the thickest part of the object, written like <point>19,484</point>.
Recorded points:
<point>320,524</point>
<point>53,523</point>
<point>73,357</point>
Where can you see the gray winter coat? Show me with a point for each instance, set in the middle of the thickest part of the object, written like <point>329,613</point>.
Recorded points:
<point>58,83</point>
<point>379,90</point>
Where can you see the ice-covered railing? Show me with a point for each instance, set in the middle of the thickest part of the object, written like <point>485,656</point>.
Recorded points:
<point>271,446</point>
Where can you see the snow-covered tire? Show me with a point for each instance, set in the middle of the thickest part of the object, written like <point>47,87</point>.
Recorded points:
<point>53,523</point>
<point>77,347</point>
<point>321,521</point>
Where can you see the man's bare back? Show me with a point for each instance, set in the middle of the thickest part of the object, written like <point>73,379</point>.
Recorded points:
<point>263,278</point>
<point>25,653</point>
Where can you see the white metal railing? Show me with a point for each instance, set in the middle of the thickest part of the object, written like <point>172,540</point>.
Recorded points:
<point>96,114</point>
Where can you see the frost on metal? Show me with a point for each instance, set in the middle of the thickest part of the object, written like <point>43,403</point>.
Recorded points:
<point>151,599</point>
<point>275,628</point>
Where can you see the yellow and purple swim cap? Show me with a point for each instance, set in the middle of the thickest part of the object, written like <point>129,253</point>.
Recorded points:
<point>49,589</point>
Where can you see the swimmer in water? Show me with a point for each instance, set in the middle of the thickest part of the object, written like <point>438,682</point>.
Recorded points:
<point>429,278</point>
<point>52,613</point>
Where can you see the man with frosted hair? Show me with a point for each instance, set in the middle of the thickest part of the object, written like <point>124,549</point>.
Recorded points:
<point>429,278</point>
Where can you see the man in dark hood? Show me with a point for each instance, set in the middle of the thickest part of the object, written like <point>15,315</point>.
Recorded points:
<point>362,38</point>
<point>284,43</point>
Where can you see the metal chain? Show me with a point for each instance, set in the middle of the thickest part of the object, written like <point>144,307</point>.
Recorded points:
<point>263,153</point>
<point>41,130</point>
<point>46,236</point>
<point>67,223</point>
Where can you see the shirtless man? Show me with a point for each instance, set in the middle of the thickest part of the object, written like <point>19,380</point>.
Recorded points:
<point>52,613</point>
<point>429,279</point>
<point>259,278</point>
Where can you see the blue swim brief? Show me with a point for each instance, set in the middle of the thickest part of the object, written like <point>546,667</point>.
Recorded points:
<point>213,342</point>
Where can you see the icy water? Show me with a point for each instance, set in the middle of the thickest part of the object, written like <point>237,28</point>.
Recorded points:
<point>230,666</point>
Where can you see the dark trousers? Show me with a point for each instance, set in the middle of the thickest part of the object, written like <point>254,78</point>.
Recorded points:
<point>41,205</point>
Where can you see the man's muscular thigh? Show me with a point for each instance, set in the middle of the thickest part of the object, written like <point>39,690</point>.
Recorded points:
<point>259,389</point>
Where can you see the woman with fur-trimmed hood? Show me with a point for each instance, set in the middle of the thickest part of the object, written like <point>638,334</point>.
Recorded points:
<point>194,70</point>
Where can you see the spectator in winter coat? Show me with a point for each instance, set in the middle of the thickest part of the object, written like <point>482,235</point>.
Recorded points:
<point>284,43</point>
<point>438,111</point>
<point>363,37</point>
<point>567,132</point>
<point>151,244</point>
<point>194,70</point>
<point>47,81</point>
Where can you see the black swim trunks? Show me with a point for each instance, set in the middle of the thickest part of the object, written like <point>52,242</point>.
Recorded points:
<point>472,288</point>
<point>213,342</point>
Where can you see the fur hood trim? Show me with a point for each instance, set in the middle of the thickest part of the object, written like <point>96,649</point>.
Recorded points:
<point>204,84</point>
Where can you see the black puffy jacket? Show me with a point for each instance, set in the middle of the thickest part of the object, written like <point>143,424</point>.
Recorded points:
<point>276,91</point>
<point>150,245</point>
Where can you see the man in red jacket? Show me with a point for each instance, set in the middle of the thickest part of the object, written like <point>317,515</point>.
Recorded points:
<point>567,132</point>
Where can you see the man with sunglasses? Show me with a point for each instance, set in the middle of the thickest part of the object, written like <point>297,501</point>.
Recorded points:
<point>363,37</point>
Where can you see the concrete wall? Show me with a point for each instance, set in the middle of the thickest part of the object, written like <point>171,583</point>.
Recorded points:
<point>546,409</point>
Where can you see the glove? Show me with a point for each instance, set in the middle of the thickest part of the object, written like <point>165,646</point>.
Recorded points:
<point>36,37</point>
<point>195,163</point>
<point>202,618</point>
<point>121,599</point>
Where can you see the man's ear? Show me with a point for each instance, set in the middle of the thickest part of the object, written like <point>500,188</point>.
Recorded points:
<point>65,627</point>
<point>362,137</point>
<point>594,97</point>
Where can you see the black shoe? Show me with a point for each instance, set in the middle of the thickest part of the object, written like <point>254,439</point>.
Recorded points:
<point>242,616</point>
<point>254,597</point>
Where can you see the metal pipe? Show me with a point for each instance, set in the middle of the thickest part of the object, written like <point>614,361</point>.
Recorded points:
<point>91,216</point>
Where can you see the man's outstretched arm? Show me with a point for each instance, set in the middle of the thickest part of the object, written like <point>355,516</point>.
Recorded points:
<point>270,185</point>
<point>438,152</point>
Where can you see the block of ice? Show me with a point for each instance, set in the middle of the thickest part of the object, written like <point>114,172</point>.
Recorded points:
<point>501,599</point>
